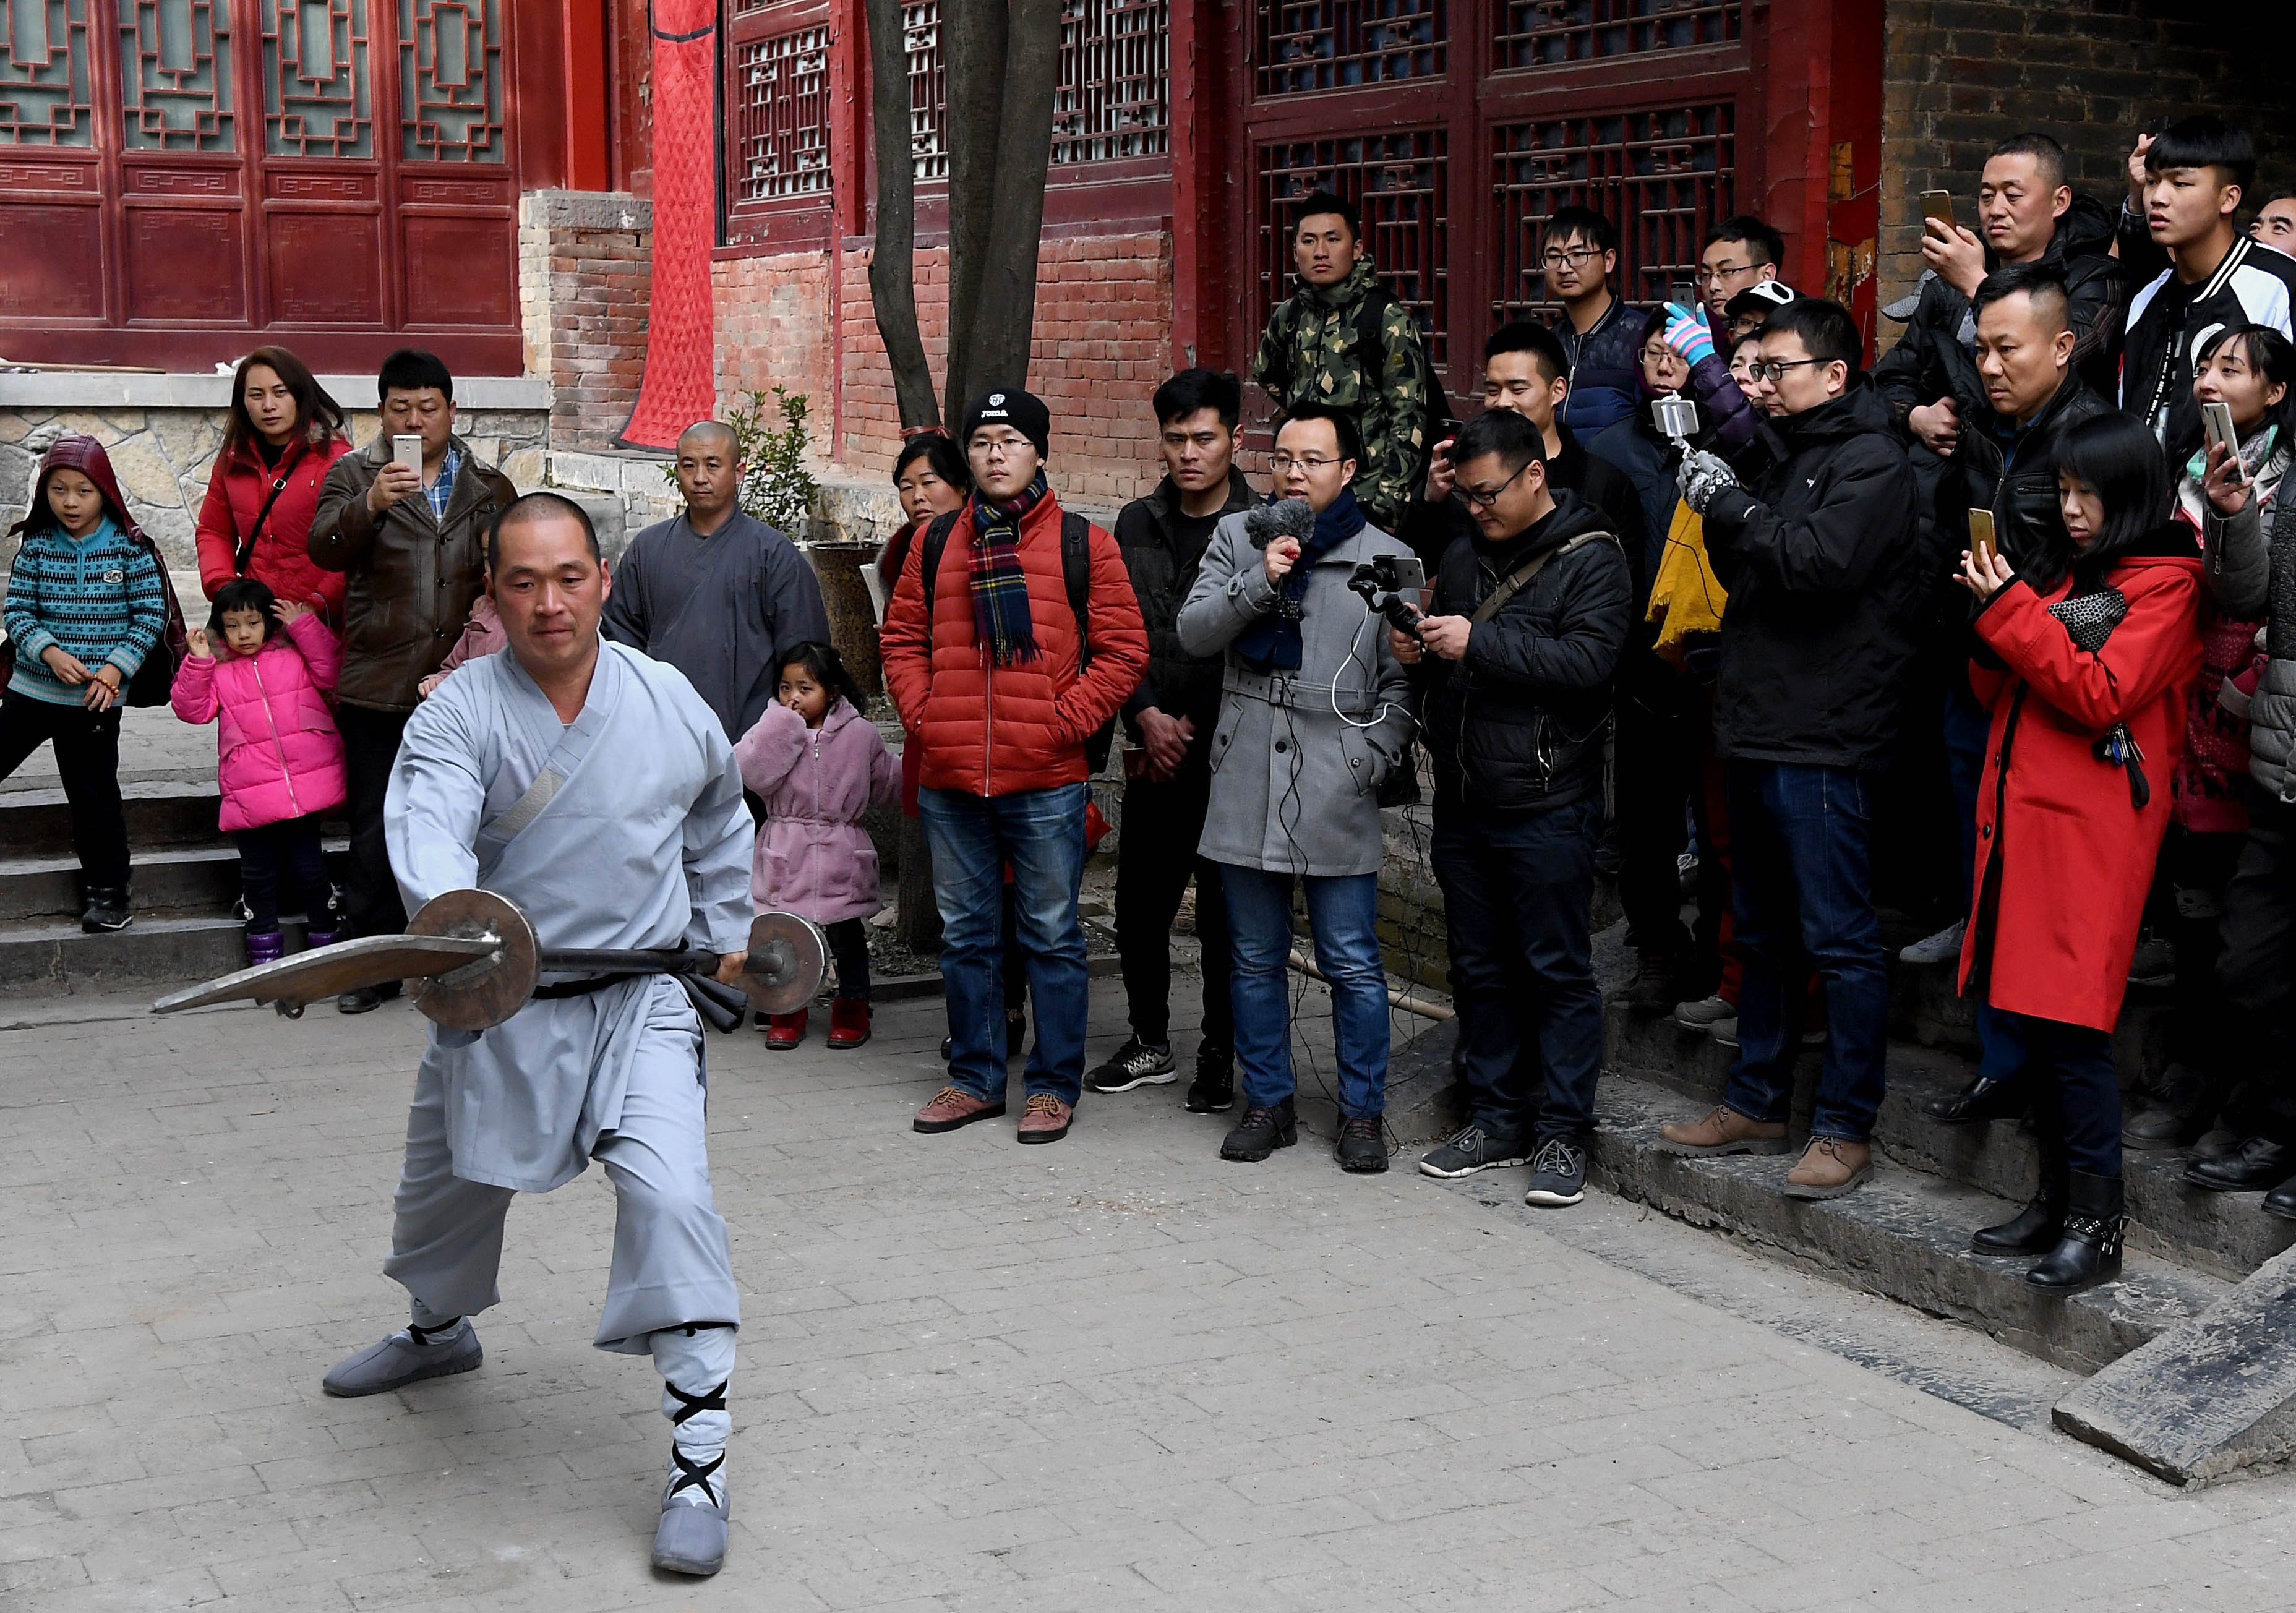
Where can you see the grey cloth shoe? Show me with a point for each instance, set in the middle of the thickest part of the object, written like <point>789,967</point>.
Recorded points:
<point>402,1359</point>
<point>696,1511</point>
<point>1473,1149</point>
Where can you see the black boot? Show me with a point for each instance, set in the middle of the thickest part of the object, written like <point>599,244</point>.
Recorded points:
<point>2089,1251</point>
<point>1261,1131</point>
<point>1980,1099</point>
<point>107,909</point>
<point>1653,990</point>
<point>2036,1229</point>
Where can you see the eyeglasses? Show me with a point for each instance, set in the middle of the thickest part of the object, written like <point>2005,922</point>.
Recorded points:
<point>1475,500</point>
<point>1575,257</point>
<point>1774,370</point>
<point>1658,353</point>
<point>1721,272</point>
<point>1001,449</point>
<point>1283,464</point>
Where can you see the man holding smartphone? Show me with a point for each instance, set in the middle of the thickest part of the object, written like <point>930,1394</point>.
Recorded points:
<point>411,542</point>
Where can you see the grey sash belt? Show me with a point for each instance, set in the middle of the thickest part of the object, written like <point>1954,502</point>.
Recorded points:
<point>1281,690</point>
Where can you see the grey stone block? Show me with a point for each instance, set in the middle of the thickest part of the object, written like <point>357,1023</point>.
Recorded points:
<point>2212,1399</point>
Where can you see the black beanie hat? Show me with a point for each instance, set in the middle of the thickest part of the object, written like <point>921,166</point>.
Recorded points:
<point>1024,411</point>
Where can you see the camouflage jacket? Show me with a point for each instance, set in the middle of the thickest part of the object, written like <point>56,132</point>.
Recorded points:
<point>1315,351</point>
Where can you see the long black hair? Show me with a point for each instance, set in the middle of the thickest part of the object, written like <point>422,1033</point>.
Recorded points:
<point>2117,456</point>
<point>2271,356</point>
<point>317,417</point>
<point>245,593</point>
<point>823,664</point>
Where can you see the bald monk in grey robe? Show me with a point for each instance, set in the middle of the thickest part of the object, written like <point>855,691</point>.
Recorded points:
<point>717,594</point>
<point>592,787</point>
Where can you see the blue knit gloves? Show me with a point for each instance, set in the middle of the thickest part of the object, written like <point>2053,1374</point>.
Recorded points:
<point>1687,334</point>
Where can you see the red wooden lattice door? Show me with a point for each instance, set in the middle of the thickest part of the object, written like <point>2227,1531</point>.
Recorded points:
<point>182,179</point>
<point>1459,125</point>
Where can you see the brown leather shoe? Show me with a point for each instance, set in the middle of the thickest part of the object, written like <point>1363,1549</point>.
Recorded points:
<point>1044,1119</point>
<point>1725,1130</point>
<point>1830,1166</point>
<point>952,1107</point>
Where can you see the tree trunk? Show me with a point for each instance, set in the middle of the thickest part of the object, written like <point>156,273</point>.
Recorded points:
<point>1004,314</point>
<point>892,266</point>
<point>974,40</point>
<point>917,923</point>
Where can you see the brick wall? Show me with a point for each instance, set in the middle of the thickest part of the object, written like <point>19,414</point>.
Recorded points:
<point>774,329</point>
<point>585,275</point>
<point>1102,345</point>
<point>1959,76</point>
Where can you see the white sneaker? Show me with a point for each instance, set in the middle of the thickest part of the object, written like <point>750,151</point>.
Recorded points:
<point>1942,947</point>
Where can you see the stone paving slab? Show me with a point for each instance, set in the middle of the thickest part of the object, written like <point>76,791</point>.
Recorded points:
<point>1115,1373</point>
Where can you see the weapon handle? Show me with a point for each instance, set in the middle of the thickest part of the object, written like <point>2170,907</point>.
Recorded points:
<point>637,961</point>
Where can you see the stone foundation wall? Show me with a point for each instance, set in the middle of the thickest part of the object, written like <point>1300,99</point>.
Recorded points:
<point>162,433</point>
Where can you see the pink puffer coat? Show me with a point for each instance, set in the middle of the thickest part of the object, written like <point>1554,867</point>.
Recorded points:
<point>280,755</point>
<point>813,857</point>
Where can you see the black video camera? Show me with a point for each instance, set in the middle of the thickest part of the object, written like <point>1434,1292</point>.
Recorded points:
<point>1400,578</point>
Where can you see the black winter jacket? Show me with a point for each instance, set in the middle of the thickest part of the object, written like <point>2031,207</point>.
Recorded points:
<point>1517,726</point>
<point>1430,529</point>
<point>1825,572</point>
<point>1930,361</point>
<point>1606,370</point>
<point>1178,684</point>
<point>2251,284</point>
<point>2011,476</point>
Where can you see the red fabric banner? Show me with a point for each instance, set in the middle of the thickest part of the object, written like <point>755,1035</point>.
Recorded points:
<point>680,385</point>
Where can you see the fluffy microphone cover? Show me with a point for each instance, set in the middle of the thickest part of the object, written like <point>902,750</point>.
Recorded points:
<point>1286,518</point>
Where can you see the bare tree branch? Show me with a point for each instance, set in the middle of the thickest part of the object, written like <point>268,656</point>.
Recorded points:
<point>892,264</point>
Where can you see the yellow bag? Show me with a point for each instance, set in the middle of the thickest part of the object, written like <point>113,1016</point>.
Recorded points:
<point>1685,597</point>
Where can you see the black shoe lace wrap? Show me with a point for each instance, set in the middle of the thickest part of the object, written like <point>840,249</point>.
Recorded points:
<point>692,1474</point>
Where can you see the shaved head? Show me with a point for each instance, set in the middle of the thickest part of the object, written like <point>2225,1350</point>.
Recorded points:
<point>708,430</point>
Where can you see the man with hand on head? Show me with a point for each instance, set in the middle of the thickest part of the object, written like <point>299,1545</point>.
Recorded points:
<point>1825,581</point>
<point>589,785</point>
<point>1521,641</point>
<point>411,544</point>
<point>1171,716</point>
<point>1312,719</point>
<point>713,591</point>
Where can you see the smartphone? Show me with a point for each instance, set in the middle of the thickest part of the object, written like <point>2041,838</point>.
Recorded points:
<point>407,450</point>
<point>1684,293</point>
<point>2216,419</point>
<point>1939,205</point>
<point>1676,417</point>
<point>1982,544</point>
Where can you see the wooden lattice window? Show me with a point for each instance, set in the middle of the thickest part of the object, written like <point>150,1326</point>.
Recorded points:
<point>45,98</point>
<point>1322,45</point>
<point>1664,175</point>
<point>450,80</point>
<point>1115,61</point>
<point>315,89</point>
<point>928,89</point>
<point>1399,180</point>
<point>175,75</point>
<point>1536,33</point>
<point>783,115</point>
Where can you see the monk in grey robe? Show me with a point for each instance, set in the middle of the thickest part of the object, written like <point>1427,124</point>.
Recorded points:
<point>592,787</point>
<point>717,594</point>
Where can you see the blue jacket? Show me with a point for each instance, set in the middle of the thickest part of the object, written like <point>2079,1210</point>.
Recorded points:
<point>99,599</point>
<point>1605,370</point>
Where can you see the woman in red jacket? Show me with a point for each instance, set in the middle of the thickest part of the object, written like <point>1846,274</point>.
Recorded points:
<point>283,433</point>
<point>2086,661</point>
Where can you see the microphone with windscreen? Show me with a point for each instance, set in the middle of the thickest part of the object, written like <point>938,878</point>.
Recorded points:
<point>1286,518</point>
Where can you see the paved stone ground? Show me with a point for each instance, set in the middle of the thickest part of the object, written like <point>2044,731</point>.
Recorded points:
<point>1112,1373</point>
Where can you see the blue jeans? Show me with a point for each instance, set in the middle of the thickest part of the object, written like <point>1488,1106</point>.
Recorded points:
<point>1802,877</point>
<point>1040,832</point>
<point>1968,730</point>
<point>1516,896</point>
<point>1343,911</point>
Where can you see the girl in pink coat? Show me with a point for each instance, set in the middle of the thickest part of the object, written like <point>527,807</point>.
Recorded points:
<point>820,764</point>
<point>264,666</point>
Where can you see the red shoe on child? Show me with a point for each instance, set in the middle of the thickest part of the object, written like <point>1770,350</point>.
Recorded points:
<point>785,1031</point>
<point>849,1022</point>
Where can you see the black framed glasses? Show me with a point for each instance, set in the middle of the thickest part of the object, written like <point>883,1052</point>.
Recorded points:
<point>1575,257</point>
<point>1774,370</point>
<point>1474,500</point>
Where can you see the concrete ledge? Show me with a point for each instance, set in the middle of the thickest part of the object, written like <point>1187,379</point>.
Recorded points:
<point>2212,1399</point>
<point>108,389</point>
<point>587,210</point>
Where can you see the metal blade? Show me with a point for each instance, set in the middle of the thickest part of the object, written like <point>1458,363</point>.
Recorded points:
<point>328,971</point>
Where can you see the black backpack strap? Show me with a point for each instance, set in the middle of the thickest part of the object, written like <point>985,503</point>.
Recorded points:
<point>932,544</point>
<point>1075,571</point>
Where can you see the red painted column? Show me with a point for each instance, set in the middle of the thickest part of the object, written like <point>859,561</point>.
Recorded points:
<point>1199,90</point>
<point>1822,148</point>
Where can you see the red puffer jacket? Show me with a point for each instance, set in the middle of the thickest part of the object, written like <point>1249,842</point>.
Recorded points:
<point>998,731</point>
<point>237,489</point>
<point>2065,855</point>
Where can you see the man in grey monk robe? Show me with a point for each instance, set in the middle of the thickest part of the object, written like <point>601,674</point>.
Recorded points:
<point>719,595</point>
<point>591,786</point>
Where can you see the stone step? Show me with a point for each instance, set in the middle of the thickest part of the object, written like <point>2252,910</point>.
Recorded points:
<point>1904,1234</point>
<point>52,956</point>
<point>190,879</point>
<point>160,812</point>
<point>2222,1233</point>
